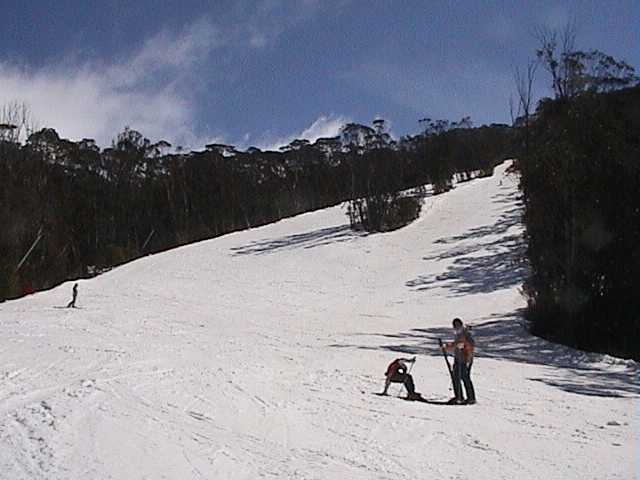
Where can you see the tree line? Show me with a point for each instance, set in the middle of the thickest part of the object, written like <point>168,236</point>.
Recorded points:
<point>70,209</point>
<point>580,178</point>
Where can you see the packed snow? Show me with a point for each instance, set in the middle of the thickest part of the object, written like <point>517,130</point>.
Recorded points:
<point>257,355</point>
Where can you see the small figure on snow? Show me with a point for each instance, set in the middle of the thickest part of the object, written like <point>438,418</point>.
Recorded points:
<point>72,303</point>
<point>463,346</point>
<point>397,372</point>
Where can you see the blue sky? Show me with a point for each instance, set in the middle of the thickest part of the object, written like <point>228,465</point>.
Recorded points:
<point>263,72</point>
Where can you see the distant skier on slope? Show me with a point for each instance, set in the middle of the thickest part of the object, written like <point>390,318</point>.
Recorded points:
<point>463,347</point>
<point>397,372</point>
<point>72,303</point>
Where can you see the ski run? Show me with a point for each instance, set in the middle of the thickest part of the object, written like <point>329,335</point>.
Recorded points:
<point>257,355</point>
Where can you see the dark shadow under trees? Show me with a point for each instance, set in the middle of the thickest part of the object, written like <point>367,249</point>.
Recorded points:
<point>86,209</point>
<point>315,238</point>
<point>506,338</point>
<point>488,264</point>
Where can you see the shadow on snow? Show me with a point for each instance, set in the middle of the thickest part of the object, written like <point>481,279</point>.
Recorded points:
<point>496,260</point>
<point>484,266</point>
<point>315,238</point>
<point>506,338</point>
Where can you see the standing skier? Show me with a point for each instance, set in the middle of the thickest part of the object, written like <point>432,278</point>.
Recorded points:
<point>397,372</point>
<point>72,303</point>
<point>463,346</point>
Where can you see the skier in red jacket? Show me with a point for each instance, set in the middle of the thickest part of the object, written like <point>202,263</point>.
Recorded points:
<point>397,372</point>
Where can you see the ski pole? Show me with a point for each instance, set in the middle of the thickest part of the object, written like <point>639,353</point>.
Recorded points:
<point>446,359</point>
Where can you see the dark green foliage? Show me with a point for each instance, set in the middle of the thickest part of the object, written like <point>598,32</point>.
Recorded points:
<point>380,169</point>
<point>458,148</point>
<point>383,212</point>
<point>98,208</point>
<point>581,184</point>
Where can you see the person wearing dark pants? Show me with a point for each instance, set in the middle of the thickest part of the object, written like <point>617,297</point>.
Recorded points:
<point>463,347</point>
<point>462,372</point>
<point>397,372</point>
<point>72,303</point>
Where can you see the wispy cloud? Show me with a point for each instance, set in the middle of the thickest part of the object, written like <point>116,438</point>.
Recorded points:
<point>83,103</point>
<point>149,90</point>
<point>323,126</point>
<point>266,20</point>
<point>155,88</point>
<point>171,53</point>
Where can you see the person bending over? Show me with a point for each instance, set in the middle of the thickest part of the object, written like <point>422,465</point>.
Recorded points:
<point>397,372</point>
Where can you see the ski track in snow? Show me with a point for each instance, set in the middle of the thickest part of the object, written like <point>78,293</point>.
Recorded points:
<point>255,355</point>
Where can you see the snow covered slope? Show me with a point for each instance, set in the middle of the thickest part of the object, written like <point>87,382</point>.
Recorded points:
<point>256,355</point>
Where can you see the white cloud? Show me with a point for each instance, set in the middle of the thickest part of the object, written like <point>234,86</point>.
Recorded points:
<point>323,126</point>
<point>149,91</point>
<point>169,52</point>
<point>265,20</point>
<point>152,89</point>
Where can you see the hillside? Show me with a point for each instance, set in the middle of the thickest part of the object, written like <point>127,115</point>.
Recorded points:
<point>256,355</point>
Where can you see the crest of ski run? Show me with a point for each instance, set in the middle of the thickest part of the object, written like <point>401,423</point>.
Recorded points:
<point>255,355</point>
